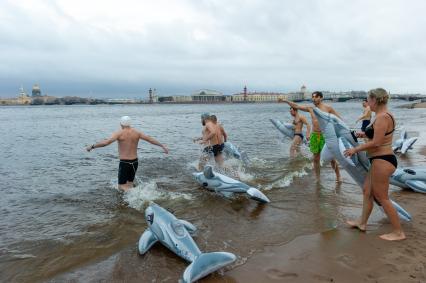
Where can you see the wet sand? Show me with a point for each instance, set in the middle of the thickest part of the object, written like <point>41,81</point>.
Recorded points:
<point>344,255</point>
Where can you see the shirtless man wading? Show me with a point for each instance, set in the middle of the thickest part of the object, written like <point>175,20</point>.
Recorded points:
<point>316,140</point>
<point>128,139</point>
<point>213,139</point>
<point>298,122</point>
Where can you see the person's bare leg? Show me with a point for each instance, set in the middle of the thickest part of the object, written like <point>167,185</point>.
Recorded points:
<point>202,162</point>
<point>335,166</point>
<point>382,171</point>
<point>124,187</point>
<point>295,146</point>
<point>317,158</point>
<point>367,207</point>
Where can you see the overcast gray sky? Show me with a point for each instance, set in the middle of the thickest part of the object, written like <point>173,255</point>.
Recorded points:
<point>111,48</point>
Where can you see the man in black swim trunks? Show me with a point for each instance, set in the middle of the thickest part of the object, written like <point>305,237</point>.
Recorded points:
<point>298,122</point>
<point>213,139</point>
<point>128,139</point>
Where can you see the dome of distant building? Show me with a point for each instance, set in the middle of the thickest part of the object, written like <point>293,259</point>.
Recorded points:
<point>36,90</point>
<point>207,92</point>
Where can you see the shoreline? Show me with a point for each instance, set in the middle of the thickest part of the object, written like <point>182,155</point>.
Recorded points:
<point>414,105</point>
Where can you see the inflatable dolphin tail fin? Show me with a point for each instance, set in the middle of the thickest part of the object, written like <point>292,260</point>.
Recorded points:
<point>205,264</point>
<point>245,158</point>
<point>146,241</point>
<point>402,213</point>
<point>257,195</point>
<point>208,172</point>
<point>417,185</point>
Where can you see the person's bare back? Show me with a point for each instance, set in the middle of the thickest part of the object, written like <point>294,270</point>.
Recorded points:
<point>128,140</point>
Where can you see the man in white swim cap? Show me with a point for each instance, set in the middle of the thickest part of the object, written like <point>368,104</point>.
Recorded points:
<point>128,139</point>
<point>125,121</point>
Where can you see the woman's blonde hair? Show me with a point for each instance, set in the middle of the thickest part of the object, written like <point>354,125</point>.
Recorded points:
<point>380,95</point>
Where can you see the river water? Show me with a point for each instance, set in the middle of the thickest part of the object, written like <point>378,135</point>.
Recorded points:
<point>61,212</point>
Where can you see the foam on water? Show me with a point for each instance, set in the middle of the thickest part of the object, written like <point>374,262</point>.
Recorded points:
<point>144,192</point>
<point>288,179</point>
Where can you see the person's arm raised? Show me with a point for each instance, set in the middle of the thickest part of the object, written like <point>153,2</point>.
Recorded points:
<point>103,143</point>
<point>296,106</point>
<point>153,141</point>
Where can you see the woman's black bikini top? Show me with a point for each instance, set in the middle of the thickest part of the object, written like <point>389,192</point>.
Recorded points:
<point>369,131</point>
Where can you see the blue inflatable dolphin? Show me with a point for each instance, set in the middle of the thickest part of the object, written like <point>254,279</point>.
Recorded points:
<point>404,143</point>
<point>410,178</point>
<point>286,129</point>
<point>225,185</point>
<point>231,150</point>
<point>338,137</point>
<point>175,235</point>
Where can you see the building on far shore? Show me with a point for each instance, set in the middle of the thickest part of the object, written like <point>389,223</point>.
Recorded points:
<point>36,91</point>
<point>199,96</point>
<point>22,99</point>
<point>207,96</point>
<point>258,97</point>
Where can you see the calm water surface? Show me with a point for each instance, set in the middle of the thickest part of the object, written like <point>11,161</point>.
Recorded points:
<point>61,213</point>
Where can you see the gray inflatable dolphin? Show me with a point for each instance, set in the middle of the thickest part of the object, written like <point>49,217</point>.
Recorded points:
<point>410,178</point>
<point>231,150</point>
<point>338,137</point>
<point>286,129</point>
<point>175,235</point>
<point>404,143</point>
<point>225,185</point>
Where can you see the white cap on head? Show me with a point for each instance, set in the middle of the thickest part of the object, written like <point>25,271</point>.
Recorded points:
<point>125,121</point>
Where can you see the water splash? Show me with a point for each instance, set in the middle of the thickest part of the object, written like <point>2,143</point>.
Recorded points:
<point>287,179</point>
<point>144,192</point>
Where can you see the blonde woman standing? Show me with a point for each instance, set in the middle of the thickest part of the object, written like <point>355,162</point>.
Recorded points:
<point>379,136</point>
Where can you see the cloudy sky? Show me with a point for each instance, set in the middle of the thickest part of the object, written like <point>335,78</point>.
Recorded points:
<point>111,48</point>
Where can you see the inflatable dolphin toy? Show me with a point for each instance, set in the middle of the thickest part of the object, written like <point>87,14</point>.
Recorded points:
<point>226,186</point>
<point>404,143</point>
<point>232,150</point>
<point>410,178</point>
<point>286,129</point>
<point>175,235</point>
<point>338,137</point>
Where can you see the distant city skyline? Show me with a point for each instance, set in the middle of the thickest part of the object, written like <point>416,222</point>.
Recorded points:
<point>122,48</point>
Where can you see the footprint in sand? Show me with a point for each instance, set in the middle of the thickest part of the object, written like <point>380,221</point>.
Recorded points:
<point>346,260</point>
<point>279,274</point>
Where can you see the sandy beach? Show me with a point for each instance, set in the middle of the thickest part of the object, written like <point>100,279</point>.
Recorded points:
<point>344,255</point>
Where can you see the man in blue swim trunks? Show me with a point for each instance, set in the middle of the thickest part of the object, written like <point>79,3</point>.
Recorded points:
<point>128,139</point>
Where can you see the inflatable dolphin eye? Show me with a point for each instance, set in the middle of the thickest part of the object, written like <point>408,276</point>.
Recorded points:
<point>150,218</point>
<point>178,228</point>
<point>410,171</point>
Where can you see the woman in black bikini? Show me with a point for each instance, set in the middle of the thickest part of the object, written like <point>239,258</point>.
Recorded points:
<point>383,164</point>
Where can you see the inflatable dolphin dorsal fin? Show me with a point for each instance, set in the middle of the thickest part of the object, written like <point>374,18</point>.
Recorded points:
<point>188,226</point>
<point>208,172</point>
<point>404,135</point>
